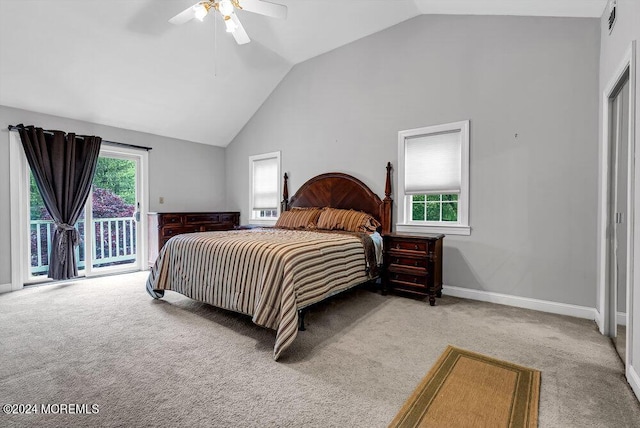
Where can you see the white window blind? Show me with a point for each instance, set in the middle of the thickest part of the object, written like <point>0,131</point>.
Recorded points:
<point>265,184</point>
<point>433,163</point>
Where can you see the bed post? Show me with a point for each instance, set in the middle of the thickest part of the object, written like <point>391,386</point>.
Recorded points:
<point>387,203</point>
<point>284,205</point>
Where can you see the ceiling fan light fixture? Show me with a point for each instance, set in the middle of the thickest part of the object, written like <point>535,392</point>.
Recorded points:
<point>200,11</point>
<point>231,26</point>
<point>225,7</point>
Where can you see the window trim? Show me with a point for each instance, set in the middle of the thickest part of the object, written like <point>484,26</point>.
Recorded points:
<point>252,159</point>
<point>19,205</point>
<point>404,224</point>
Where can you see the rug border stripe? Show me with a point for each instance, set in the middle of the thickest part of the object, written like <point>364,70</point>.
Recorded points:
<point>524,404</point>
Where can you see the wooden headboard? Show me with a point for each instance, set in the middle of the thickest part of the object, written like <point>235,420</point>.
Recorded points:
<point>339,190</point>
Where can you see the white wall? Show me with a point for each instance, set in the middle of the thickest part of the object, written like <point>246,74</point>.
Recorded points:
<point>533,198</point>
<point>189,176</point>
<point>613,48</point>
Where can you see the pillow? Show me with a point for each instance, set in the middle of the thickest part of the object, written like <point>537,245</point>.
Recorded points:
<point>298,219</point>
<point>349,220</point>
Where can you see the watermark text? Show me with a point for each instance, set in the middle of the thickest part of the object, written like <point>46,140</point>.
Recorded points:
<point>51,409</point>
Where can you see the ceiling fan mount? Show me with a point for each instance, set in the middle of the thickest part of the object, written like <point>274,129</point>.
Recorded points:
<point>226,9</point>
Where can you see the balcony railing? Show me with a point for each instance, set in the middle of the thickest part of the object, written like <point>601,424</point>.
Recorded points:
<point>114,243</point>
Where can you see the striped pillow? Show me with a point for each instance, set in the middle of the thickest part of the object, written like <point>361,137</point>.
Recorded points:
<point>298,219</point>
<point>349,220</point>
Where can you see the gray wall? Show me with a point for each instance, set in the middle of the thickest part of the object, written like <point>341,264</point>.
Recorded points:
<point>190,176</point>
<point>533,198</point>
<point>613,48</point>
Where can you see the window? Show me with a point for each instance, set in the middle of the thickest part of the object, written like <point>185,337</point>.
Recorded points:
<point>265,187</point>
<point>441,207</point>
<point>433,179</point>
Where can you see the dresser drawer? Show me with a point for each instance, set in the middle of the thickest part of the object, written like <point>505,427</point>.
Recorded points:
<point>215,227</point>
<point>169,219</point>
<point>229,218</point>
<point>173,231</point>
<point>163,241</point>
<point>202,218</point>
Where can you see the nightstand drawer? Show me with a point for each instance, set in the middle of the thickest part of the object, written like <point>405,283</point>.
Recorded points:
<point>402,260</point>
<point>408,279</point>
<point>408,245</point>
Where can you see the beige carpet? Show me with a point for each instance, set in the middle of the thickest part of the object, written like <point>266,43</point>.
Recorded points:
<point>467,389</point>
<point>176,362</point>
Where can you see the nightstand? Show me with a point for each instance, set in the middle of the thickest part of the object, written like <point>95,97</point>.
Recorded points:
<point>413,264</point>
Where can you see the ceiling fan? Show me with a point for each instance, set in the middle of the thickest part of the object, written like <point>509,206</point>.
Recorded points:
<point>227,8</point>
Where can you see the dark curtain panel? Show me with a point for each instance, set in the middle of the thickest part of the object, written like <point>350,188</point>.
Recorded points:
<point>63,166</point>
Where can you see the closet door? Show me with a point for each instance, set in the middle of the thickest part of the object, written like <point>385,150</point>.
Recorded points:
<point>619,138</point>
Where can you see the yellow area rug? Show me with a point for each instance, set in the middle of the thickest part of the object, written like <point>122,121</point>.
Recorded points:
<point>465,389</point>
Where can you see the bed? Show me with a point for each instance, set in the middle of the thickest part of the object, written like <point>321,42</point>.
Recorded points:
<point>324,244</point>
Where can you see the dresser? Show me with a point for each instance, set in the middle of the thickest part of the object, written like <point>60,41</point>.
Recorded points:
<point>164,226</point>
<point>413,264</point>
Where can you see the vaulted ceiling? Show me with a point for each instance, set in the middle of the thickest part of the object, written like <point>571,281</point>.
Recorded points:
<point>120,63</point>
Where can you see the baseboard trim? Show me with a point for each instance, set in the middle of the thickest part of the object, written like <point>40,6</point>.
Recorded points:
<point>621,318</point>
<point>522,302</point>
<point>600,321</point>
<point>5,288</point>
<point>634,380</point>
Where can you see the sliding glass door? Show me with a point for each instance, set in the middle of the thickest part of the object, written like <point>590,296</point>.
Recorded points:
<point>112,215</point>
<point>111,226</point>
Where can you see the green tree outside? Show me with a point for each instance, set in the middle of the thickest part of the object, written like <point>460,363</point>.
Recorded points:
<point>115,175</point>
<point>35,200</point>
<point>427,207</point>
<point>118,176</point>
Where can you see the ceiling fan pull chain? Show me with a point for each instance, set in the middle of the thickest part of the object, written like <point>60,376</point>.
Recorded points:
<point>215,47</point>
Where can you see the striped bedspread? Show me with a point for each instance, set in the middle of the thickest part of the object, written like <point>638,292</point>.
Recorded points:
<point>266,273</point>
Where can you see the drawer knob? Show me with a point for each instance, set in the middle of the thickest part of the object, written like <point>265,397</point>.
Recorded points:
<point>395,276</point>
<point>416,246</point>
<point>396,261</point>
<point>415,263</point>
<point>397,246</point>
<point>415,279</point>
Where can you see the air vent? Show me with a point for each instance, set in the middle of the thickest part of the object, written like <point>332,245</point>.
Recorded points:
<point>612,7</point>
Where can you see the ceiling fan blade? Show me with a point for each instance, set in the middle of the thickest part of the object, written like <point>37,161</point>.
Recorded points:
<point>273,10</point>
<point>184,16</point>
<point>239,34</point>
